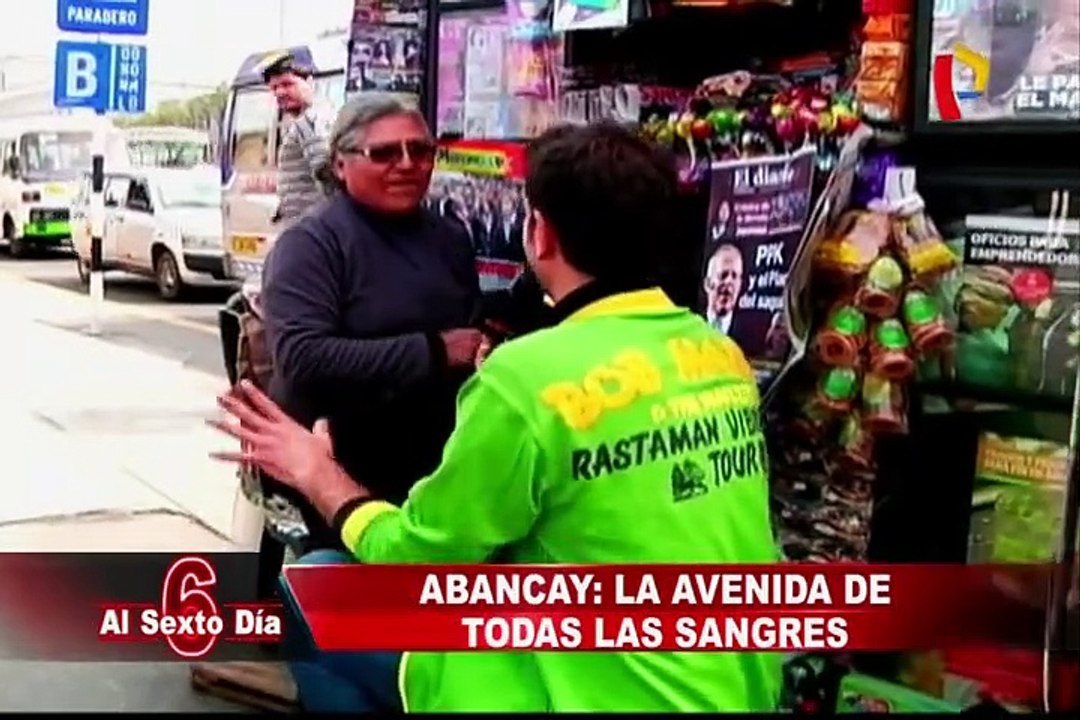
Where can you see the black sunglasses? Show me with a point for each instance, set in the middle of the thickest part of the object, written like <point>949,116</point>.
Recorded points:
<point>393,153</point>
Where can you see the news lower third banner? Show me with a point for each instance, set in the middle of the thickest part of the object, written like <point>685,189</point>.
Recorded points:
<point>127,606</point>
<point>133,607</point>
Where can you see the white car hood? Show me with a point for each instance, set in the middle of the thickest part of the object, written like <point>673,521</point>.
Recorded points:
<point>197,222</point>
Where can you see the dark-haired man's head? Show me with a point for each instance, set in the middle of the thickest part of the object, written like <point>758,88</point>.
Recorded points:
<point>290,83</point>
<point>599,204</point>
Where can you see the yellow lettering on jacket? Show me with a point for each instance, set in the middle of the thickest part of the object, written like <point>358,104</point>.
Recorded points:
<point>610,386</point>
<point>709,359</point>
<point>704,402</point>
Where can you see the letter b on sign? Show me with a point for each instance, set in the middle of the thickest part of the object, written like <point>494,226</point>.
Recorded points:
<point>82,82</point>
<point>82,75</point>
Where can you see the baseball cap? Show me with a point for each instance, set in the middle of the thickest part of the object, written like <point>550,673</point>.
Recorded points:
<point>281,63</point>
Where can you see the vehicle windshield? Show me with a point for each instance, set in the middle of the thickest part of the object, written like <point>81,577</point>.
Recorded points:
<point>55,155</point>
<point>195,190</point>
<point>167,153</point>
<point>332,89</point>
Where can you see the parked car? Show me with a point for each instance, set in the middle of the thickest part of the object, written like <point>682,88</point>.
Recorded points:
<point>159,223</point>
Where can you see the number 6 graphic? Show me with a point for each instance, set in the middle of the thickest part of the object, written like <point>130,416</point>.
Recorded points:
<point>184,592</point>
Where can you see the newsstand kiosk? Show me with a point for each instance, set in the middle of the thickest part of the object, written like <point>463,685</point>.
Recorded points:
<point>909,299</point>
<point>910,303</point>
<point>969,403</point>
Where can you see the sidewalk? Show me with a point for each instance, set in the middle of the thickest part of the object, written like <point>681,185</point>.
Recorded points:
<point>92,427</point>
<point>102,448</point>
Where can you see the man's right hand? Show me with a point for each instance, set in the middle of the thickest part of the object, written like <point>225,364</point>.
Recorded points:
<point>461,346</point>
<point>482,352</point>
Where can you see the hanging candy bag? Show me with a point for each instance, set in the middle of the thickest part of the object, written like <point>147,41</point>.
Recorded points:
<point>839,343</point>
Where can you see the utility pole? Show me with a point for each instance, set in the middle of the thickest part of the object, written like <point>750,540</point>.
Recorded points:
<point>97,225</point>
<point>281,23</point>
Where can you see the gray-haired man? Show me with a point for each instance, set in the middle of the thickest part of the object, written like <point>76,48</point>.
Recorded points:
<point>372,306</point>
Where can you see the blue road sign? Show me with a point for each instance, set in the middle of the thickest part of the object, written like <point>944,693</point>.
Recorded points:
<point>112,17</point>
<point>100,76</point>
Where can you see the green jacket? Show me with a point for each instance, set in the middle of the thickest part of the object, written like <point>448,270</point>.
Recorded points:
<point>628,433</point>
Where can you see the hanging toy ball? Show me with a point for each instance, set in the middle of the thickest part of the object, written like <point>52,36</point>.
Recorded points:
<point>665,133</point>
<point>788,131</point>
<point>701,129</point>
<point>808,119</point>
<point>723,120</point>
<point>780,110</point>
<point>807,95</point>
<point>716,119</point>
<point>683,125</point>
<point>846,119</point>
<point>826,122</point>
<point>846,98</point>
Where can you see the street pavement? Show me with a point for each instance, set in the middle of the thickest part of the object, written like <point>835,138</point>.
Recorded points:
<point>185,331</point>
<point>103,446</point>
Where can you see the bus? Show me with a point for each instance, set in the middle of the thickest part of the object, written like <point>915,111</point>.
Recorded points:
<point>168,147</point>
<point>250,132</point>
<point>42,161</point>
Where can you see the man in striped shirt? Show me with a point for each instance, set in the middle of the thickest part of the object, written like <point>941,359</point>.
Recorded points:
<point>302,152</point>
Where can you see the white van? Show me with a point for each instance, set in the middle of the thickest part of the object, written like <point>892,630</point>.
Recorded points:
<point>162,223</point>
<point>43,160</point>
<point>250,132</point>
<point>168,147</point>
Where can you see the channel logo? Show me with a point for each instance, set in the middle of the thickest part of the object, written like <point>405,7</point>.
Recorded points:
<point>187,616</point>
<point>960,75</point>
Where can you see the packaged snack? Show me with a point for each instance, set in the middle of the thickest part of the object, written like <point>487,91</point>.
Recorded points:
<point>884,410</point>
<point>890,351</point>
<point>883,61</point>
<point>879,294</point>
<point>855,493</point>
<point>856,446</point>
<point>882,100</point>
<point>794,515</point>
<point>893,26</point>
<point>805,487</point>
<point>838,389</point>
<point>888,7</point>
<point>841,524</point>
<point>926,325</point>
<point>811,422</point>
<point>841,340</point>
<point>860,238</point>
<point>920,246</point>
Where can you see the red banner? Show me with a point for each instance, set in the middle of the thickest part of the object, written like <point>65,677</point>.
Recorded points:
<point>146,607</point>
<point>705,608</point>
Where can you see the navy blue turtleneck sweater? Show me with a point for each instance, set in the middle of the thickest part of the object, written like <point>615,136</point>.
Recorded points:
<point>353,304</point>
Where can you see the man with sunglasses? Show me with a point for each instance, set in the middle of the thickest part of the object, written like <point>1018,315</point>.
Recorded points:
<point>372,305</point>
<point>607,438</point>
